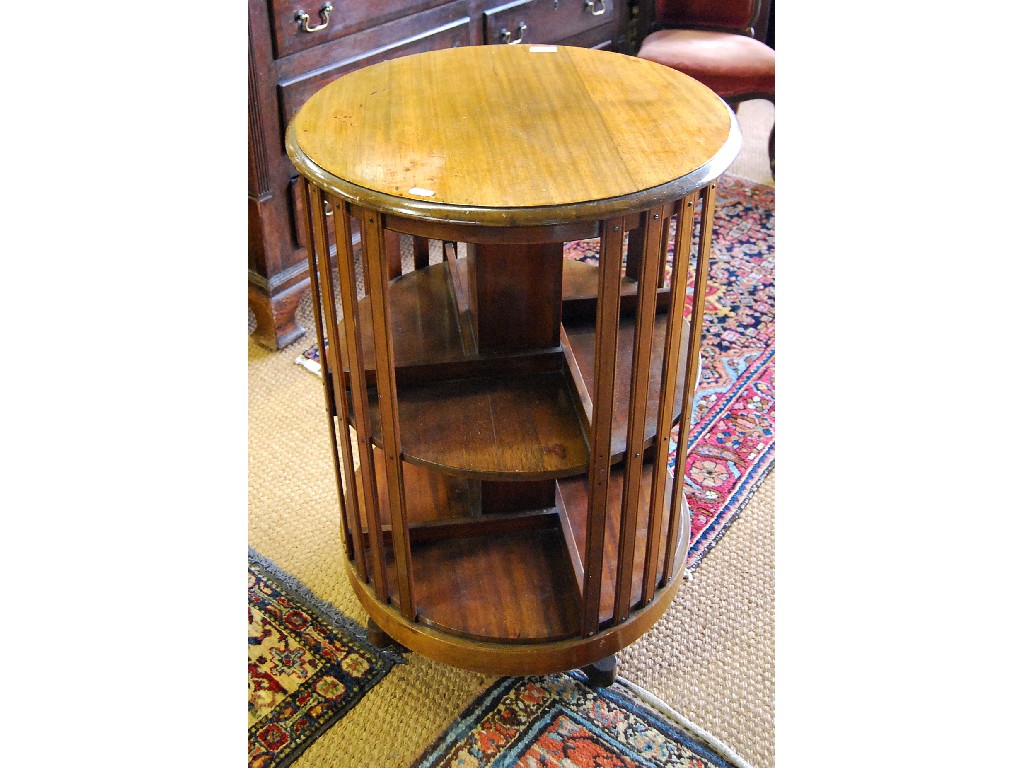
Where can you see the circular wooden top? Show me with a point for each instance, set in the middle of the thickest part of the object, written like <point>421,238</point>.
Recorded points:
<point>507,135</point>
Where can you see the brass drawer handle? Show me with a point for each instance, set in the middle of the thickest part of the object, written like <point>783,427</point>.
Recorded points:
<point>506,35</point>
<point>593,7</point>
<point>325,13</point>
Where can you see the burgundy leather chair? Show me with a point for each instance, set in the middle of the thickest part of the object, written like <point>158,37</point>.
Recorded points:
<point>721,44</point>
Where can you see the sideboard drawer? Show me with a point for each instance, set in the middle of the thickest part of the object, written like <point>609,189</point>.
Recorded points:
<point>437,30</point>
<point>295,92</point>
<point>543,21</point>
<point>331,19</point>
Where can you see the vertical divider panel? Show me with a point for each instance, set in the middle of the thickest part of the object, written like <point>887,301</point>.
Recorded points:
<point>605,345</point>
<point>700,282</point>
<point>393,249</point>
<point>332,378</point>
<point>670,365</point>
<point>360,400</point>
<point>420,252</point>
<point>376,264</point>
<point>643,339</point>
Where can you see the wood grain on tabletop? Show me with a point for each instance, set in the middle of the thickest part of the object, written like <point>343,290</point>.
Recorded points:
<point>503,126</point>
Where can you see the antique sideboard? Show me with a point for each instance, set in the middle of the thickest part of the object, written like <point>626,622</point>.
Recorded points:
<point>296,47</point>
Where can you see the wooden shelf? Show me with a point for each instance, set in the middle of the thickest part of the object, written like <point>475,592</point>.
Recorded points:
<point>514,417</point>
<point>579,293</point>
<point>581,348</point>
<point>460,581</point>
<point>522,427</point>
<point>425,321</point>
<point>429,328</point>
<point>465,560</point>
<point>573,495</point>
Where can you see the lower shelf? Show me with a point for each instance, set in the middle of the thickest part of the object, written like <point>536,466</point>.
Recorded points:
<point>513,587</point>
<point>513,577</point>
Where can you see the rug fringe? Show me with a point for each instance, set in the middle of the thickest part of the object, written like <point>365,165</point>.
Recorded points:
<point>663,708</point>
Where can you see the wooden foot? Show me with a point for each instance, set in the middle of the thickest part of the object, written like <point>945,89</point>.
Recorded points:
<point>601,673</point>
<point>381,639</point>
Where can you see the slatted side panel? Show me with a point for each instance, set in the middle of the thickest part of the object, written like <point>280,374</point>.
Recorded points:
<point>332,378</point>
<point>360,407</point>
<point>653,228</point>
<point>378,270</point>
<point>677,526</point>
<point>670,364</point>
<point>606,343</point>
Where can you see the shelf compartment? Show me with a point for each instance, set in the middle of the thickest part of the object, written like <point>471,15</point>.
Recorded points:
<point>519,427</point>
<point>514,587</point>
<point>429,329</point>
<point>579,293</point>
<point>580,348</point>
<point>438,505</point>
<point>424,320</point>
<point>573,497</point>
<point>515,577</point>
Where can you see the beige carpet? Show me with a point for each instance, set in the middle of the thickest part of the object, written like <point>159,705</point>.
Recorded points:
<point>711,657</point>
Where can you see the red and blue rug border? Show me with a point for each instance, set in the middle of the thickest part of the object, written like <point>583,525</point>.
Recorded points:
<point>335,625</point>
<point>484,713</point>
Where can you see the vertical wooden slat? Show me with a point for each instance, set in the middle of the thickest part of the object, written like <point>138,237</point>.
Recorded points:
<point>344,252</point>
<point>700,282</point>
<point>670,365</point>
<point>605,345</point>
<point>330,377</point>
<point>377,267</point>
<point>360,401</point>
<point>647,291</point>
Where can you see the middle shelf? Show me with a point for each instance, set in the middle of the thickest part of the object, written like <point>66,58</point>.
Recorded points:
<point>517,415</point>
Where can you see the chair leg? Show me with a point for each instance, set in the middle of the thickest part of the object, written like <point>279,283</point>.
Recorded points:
<point>771,150</point>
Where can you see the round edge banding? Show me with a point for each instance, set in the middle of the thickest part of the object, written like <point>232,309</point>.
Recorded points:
<point>569,213</point>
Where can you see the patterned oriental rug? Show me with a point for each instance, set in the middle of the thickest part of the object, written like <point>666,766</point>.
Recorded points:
<point>558,720</point>
<point>309,665</point>
<point>732,435</point>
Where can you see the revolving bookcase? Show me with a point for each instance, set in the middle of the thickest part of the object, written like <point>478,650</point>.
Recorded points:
<point>500,418</point>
